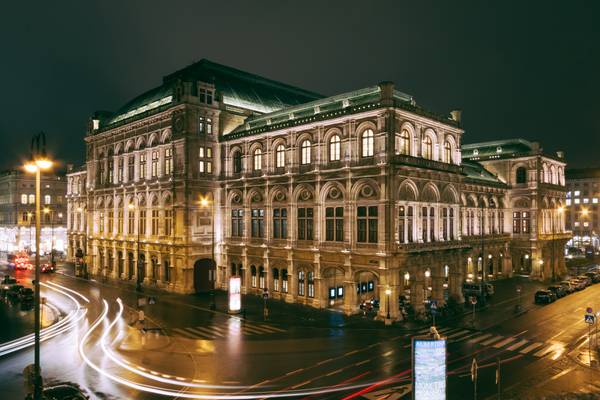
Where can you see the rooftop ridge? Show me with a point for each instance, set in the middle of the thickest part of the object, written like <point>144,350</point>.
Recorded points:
<point>496,143</point>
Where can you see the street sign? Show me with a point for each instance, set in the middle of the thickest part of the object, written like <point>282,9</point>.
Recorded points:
<point>429,369</point>
<point>589,319</point>
<point>433,304</point>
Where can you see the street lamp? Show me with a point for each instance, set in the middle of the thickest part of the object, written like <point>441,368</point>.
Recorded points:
<point>388,292</point>
<point>138,283</point>
<point>205,203</point>
<point>38,163</point>
<point>29,215</point>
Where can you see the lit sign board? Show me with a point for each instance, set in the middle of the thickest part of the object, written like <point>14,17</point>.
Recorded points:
<point>235,294</point>
<point>429,369</point>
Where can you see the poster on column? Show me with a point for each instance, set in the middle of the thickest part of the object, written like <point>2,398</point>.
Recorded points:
<point>235,294</point>
<point>429,369</point>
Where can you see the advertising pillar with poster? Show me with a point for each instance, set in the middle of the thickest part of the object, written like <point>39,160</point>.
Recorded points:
<point>429,368</point>
<point>235,294</point>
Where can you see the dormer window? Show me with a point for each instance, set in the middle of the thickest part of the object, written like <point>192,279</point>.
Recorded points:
<point>205,95</point>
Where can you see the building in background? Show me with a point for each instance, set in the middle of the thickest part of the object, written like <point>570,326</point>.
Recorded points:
<point>324,201</point>
<point>583,197</point>
<point>17,212</point>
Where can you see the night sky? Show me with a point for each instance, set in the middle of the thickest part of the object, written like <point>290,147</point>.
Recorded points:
<point>517,69</point>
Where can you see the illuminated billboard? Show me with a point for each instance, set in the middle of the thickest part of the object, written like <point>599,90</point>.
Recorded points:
<point>235,294</point>
<point>429,369</point>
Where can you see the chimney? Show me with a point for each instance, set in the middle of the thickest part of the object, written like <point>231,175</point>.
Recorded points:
<point>387,93</point>
<point>456,115</point>
<point>560,154</point>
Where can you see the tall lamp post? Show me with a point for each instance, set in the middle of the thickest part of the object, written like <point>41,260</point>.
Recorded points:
<point>36,165</point>
<point>205,203</point>
<point>138,283</point>
<point>29,216</point>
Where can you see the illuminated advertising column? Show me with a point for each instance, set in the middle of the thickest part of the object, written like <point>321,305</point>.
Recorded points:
<point>235,294</point>
<point>429,369</point>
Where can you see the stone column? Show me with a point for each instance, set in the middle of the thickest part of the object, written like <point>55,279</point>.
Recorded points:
<point>417,289</point>
<point>349,297</point>
<point>437,284</point>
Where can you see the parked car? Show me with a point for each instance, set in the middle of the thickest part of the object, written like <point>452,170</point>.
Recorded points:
<point>26,295</point>
<point>594,276</point>
<point>579,284</point>
<point>62,392</point>
<point>568,286</point>
<point>47,268</point>
<point>13,292</point>
<point>558,291</point>
<point>544,296</point>
<point>586,279</point>
<point>478,289</point>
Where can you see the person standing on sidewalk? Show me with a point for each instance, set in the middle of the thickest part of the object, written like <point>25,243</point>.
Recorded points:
<point>142,320</point>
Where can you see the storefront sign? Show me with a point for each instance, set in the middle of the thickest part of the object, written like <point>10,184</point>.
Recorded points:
<point>235,294</point>
<point>429,369</point>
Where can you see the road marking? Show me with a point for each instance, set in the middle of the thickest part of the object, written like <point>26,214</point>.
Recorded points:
<point>461,333</point>
<point>251,330</point>
<point>517,345</point>
<point>272,327</point>
<point>492,340</point>
<point>545,350</point>
<point>325,361</point>
<point>362,362</point>
<point>531,347</point>
<point>387,353</point>
<point>351,352</point>
<point>301,384</point>
<point>467,337</point>
<point>505,342</point>
<point>480,338</point>
<point>337,371</point>
<point>231,382</point>
<point>562,373</point>
<point>294,372</point>
<point>181,332</point>
<point>201,329</point>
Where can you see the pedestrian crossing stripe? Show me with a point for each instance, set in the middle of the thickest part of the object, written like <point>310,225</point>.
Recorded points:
<point>480,338</point>
<point>515,346</point>
<point>531,347</point>
<point>492,340</point>
<point>457,334</point>
<point>545,350</point>
<point>505,342</point>
<point>212,332</point>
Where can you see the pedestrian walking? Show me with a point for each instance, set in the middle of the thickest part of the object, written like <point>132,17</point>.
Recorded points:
<point>142,320</point>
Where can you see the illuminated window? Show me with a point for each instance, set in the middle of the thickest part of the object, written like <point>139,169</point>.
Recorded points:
<point>31,199</point>
<point>154,165</point>
<point>47,199</point>
<point>257,157</point>
<point>23,199</point>
<point>301,283</point>
<point>577,201</point>
<point>576,223</point>
<point>586,200</point>
<point>577,193</point>
<point>334,148</point>
<point>168,161</point>
<point>568,202</point>
<point>305,152</point>
<point>280,156</point>
<point>427,150</point>
<point>595,200</point>
<point>586,224</point>
<point>447,152</point>
<point>403,145</point>
<point>367,143</point>
<point>143,166</point>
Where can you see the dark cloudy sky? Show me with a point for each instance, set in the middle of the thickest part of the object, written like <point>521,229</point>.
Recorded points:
<point>525,68</point>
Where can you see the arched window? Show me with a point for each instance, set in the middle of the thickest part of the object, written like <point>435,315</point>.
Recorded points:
<point>521,175</point>
<point>406,224</point>
<point>261,277</point>
<point>280,156</point>
<point>451,225</point>
<point>284,281</point>
<point>447,152</point>
<point>305,152</point>
<point>334,148</point>
<point>311,284</point>
<point>367,143</point>
<point>427,150</point>
<point>301,283</point>
<point>257,158</point>
<point>237,162</point>
<point>403,144</point>
<point>253,276</point>
<point>275,280</point>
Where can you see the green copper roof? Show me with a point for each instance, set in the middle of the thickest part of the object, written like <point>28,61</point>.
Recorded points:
<point>497,149</point>
<point>476,171</point>
<point>236,88</point>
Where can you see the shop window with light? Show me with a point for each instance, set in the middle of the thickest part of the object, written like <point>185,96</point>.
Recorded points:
<point>143,166</point>
<point>280,156</point>
<point>284,280</point>
<point>253,276</point>
<point>305,223</point>
<point>280,223</point>
<point>168,222</point>
<point>130,168</point>
<point>305,157</point>
<point>237,222</point>
<point>366,224</point>
<point>367,143</point>
<point>335,148</point>
<point>275,280</point>
<point>154,164</point>
<point>310,277</point>
<point>334,224</point>
<point>427,148</point>
<point>257,158</point>
<point>258,221</point>
<point>168,161</point>
<point>301,283</point>
<point>403,143</point>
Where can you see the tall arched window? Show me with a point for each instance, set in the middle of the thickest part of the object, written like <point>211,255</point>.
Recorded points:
<point>237,162</point>
<point>305,152</point>
<point>368,143</point>
<point>253,276</point>
<point>403,145</point>
<point>280,156</point>
<point>427,150</point>
<point>521,175</point>
<point>334,148</point>
<point>447,152</point>
<point>257,158</point>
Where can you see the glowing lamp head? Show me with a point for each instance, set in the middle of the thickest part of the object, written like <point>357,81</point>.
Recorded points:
<point>560,209</point>
<point>388,291</point>
<point>584,212</point>
<point>427,274</point>
<point>46,210</point>
<point>43,163</point>
<point>204,202</point>
<point>79,209</point>
<point>31,167</point>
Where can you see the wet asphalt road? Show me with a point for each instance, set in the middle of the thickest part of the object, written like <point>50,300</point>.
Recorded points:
<point>542,351</point>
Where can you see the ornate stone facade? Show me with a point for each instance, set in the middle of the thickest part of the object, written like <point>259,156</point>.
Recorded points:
<point>320,201</point>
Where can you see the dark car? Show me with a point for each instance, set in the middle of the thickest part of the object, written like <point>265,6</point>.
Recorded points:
<point>26,295</point>
<point>558,291</point>
<point>544,296</point>
<point>62,392</point>
<point>13,291</point>
<point>567,286</point>
<point>594,276</point>
<point>586,279</point>
<point>47,268</point>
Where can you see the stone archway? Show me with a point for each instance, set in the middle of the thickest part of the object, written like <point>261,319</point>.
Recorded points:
<point>367,283</point>
<point>333,285</point>
<point>204,275</point>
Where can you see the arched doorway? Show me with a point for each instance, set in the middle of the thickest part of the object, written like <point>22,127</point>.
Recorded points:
<point>130,265</point>
<point>204,275</point>
<point>333,279</point>
<point>141,267</point>
<point>366,286</point>
<point>120,264</point>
